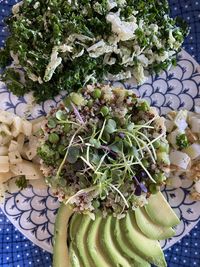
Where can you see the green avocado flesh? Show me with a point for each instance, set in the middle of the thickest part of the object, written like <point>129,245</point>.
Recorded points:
<point>125,249</point>
<point>81,239</point>
<point>149,249</point>
<point>160,211</point>
<point>149,228</point>
<point>93,243</point>
<point>109,246</point>
<point>60,250</point>
<point>73,251</point>
<point>73,256</point>
<point>111,242</point>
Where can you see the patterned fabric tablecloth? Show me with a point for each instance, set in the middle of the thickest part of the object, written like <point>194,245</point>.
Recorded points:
<point>17,251</point>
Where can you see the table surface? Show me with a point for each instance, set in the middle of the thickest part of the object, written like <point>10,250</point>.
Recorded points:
<point>17,251</point>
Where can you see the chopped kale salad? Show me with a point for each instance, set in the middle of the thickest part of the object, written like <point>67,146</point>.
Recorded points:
<point>104,148</point>
<point>59,45</point>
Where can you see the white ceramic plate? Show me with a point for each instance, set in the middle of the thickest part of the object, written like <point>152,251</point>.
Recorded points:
<point>33,211</point>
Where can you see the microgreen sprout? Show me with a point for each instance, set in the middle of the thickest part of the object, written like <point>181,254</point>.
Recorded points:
<point>76,112</point>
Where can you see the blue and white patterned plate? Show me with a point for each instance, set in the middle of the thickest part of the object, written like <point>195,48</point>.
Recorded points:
<point>33,211</point>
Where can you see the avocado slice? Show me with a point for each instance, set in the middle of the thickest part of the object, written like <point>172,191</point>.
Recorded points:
<point>93,244</point>
<point>108,245</point>
<point>125,248</point>
<point>75,223</point>
<point>160,211</point>
<point>74,257</point>
<point>149,228</point>
<point>80,241</point>
<point>147,248</point>
<point>60,249</point>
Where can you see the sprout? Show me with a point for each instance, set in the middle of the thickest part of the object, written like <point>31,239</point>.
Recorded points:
<point>140,187</point>
<point>76,112</point>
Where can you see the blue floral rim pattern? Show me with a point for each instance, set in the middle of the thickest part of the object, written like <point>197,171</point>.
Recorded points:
<point>17,251</point>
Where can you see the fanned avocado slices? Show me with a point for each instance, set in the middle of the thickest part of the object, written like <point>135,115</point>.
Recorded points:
<point>81,239</point>
<point>109,246</point>
<point>151,229</point>
<point>93,243</point>
<point>74,256</point>
<point>149,249</point>
<point>125,249</point>
<point>111,242</point>
<point>160,211</point>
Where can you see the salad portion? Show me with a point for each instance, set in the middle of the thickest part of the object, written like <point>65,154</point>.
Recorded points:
<point>59,45</point>
<point>105,149</point>
<point>104,153</point>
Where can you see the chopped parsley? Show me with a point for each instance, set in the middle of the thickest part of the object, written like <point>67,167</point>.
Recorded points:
<point>182,141</point>
<point>63,45</point>
<point>21,182</point>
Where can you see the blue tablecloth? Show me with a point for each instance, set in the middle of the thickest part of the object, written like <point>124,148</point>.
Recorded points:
<point>17,251</point>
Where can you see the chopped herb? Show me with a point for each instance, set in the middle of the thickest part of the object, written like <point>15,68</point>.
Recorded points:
<point>21,182</point>
<point>182,141</point>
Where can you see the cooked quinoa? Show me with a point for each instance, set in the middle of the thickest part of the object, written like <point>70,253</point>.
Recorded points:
<point>104,148</point>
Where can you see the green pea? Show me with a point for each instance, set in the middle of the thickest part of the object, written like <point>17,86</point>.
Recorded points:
<point>163,157</point>
<point>96,93</point>
<point>51,123</point>
<point>62,182</point>
<point>39,132</point>
<point>66,128</point>
<point>96,204</point>
<point>145,163</point>
<point>90,103</point>
<point>77,99</point>
<point>104,111</point>
<point>164,147</point>
<point>58,162</point>
<point>153,188</point>
<point>57,156</point>
<point>62,150</point>
<point>159,177</point>
<point>144,106</point>
<point>54,138</point>
<point>156,144</point>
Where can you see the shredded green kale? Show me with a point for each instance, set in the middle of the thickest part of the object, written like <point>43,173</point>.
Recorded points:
<point>63,45</point>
